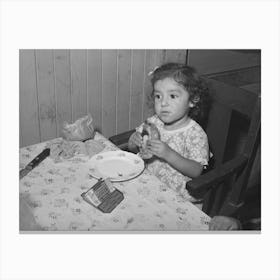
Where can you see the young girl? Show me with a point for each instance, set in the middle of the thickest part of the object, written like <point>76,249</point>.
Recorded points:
<point>179,96</point>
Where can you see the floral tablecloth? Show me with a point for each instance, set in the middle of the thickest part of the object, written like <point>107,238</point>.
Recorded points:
<point>53,192</point>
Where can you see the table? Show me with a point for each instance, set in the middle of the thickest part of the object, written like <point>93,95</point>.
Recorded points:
<point>53,193</point>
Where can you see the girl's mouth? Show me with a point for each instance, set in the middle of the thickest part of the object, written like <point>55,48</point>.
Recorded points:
<point>164,112</point>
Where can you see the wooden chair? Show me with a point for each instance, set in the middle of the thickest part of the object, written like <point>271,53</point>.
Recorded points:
<point>233,129</point>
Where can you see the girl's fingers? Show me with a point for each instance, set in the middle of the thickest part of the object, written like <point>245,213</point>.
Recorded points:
<point>155,142</point>
<point>152,149</point>
<point>137,139</point>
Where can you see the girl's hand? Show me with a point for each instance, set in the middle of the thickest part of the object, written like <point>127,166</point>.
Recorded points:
<point>158,148</point>
<point>135,139</point>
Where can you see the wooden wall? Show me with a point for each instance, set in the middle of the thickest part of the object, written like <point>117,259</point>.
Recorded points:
<point>63,85</point>
<point>112,85</point>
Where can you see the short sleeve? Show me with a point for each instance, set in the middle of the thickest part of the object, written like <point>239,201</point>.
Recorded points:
<point>197,146</point>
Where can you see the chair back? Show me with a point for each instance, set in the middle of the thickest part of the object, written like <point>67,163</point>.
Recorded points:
<point>233,130</point>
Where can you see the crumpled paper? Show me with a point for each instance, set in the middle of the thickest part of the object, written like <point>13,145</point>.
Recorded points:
<point>77,141</point>
<point>61,149</point>
<point>81,130</point>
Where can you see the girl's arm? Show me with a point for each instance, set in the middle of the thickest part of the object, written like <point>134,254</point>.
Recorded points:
<point>185,166</point>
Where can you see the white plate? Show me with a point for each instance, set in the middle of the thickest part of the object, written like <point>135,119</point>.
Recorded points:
<point>116,165</point>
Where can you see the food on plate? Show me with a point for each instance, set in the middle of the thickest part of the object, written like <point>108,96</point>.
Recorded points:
<point>149,132</point>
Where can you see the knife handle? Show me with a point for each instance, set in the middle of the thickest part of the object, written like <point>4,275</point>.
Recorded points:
<point>32,164</point>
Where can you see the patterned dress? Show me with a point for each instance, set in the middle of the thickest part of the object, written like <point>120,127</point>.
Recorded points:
<point>190,142</point>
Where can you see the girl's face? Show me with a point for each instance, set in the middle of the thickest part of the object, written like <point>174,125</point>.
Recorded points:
<point>171,103</point>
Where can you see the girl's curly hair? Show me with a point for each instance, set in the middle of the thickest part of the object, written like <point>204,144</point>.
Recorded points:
<point>188,78</point>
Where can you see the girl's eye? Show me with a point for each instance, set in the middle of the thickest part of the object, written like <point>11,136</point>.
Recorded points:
<point>157,96</point>
<point>173,96</point>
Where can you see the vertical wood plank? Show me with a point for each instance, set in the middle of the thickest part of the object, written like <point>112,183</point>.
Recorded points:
<point>138,57</point>
<point>79,83</point>
<point>161,57</point>
<point>95,87</point>
<point>73,83</point>
<point>151,63</point>
<point>124,73</point>
<point>109,87</point>
<point>62,87</point>
<point>46,94</point>
<point>178,56</point>
<point>28,105</point>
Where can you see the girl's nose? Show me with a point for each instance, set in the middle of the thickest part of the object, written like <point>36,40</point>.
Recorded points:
<point>164,101</point>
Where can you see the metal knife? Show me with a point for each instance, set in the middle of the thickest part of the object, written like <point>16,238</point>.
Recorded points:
<point>32,164</point>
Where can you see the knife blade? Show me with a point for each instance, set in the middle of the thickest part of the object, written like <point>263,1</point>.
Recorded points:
<point>36,161</point>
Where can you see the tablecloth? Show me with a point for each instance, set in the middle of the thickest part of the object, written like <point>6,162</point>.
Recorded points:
<point>53,192</point>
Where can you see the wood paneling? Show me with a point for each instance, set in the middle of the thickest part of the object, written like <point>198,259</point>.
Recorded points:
<point>29,119</point>
<point>63,85</point>
<point>175,55</point>
<point>95,86</point>
<point>78,83</point>
<point>112,85</point>
<point>136,95</point>
<point>123,90</point>
<point>151,61</point>
<point>46,93</point>
<point>109,85</point>
<point>62,88</point>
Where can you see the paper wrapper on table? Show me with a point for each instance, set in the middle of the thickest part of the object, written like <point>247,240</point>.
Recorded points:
<point>149,132</point>
<point>81,130</point>
<point>93,147</point>
<point>61,149</point>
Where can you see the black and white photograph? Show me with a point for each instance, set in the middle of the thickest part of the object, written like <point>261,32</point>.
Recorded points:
<point>140,140</point>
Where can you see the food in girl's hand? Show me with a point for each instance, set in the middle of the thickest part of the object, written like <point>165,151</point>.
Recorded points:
<point>149,132</point>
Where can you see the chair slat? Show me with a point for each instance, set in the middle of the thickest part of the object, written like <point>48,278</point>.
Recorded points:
<point>235,98</point>
<point>217,131</point>
<point>249,152</point>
